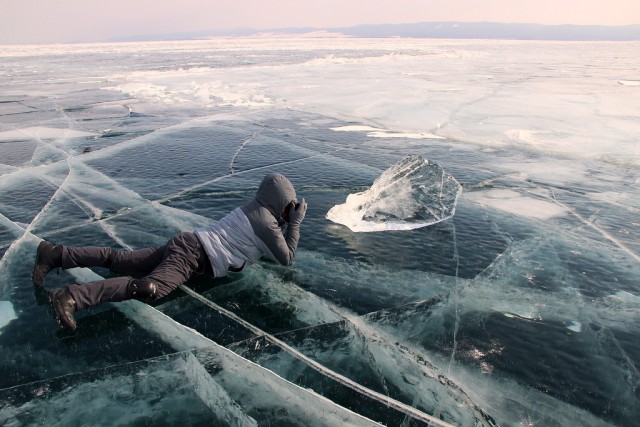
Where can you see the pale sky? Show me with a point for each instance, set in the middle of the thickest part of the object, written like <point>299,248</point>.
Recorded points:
<point>60,21</point>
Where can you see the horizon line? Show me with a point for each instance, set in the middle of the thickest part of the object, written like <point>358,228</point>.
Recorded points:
<point>195,35</point>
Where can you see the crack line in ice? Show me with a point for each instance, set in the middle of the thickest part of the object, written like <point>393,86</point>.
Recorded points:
<point>44,208</point>
<point>244,143</point>
<point>455,301</point>
<point>184,338</point>
<point>630,363</point>
<point>61,188</point>
<point>20,231</point>
<point>572,211</point>
<point>373,363</point>
<point>220,178</point>
<point>32,384</point>
<point>92,211</point>
<point>78,201</point>
<point>7,222</point>
<point>595,227</point>
<point>142,139</point>
<point>27,231</point>
<point>411,413</point>
<point>82,204</point>
<point>180,193</point>
<point>347,318</point>
<point>589,223</point>
<point>405,409</point>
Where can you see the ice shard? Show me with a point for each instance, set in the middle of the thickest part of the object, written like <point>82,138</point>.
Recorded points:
<point>413,193</point>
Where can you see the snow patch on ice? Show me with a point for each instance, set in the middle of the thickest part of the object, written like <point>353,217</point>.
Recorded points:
<point>629,82</point>
<point>7,313</point>
<point>409,135</point>
<point>526,314</point>
<point>41,133</point>
<point>194,86</point>
<point>626,297</point>
<point>527,136</point>
<point>575,326</point>
<point>355,128</point>
<point>383,133</point>
<point>513,202</point>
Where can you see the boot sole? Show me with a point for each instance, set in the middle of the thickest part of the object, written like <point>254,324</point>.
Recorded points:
<point>56,306</point>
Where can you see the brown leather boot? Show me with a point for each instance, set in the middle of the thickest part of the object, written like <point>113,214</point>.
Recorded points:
<point>64,306</point>
<point>48,257</point>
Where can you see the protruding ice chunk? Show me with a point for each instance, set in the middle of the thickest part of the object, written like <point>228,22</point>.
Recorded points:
<point>411,194</point>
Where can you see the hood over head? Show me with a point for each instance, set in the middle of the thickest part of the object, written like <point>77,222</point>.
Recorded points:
<point>275,193</point>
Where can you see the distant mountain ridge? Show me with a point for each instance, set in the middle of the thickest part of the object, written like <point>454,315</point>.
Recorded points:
<point>435,30</point>
<point>494,30</point>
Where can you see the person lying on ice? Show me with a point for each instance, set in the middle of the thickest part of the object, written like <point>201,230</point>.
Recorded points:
<point>241,237</point>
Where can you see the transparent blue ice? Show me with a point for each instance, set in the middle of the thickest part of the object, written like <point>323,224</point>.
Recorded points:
<point>520,309</point>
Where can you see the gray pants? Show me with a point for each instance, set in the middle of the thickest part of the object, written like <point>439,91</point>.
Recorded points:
<point>167,266</point>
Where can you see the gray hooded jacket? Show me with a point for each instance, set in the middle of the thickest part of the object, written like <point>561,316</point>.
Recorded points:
<point>251,231</point>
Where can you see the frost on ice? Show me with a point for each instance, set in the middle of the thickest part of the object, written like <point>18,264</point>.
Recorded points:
<point>411,194</point>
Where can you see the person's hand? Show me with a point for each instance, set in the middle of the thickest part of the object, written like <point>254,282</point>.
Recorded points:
<point>298,212</point>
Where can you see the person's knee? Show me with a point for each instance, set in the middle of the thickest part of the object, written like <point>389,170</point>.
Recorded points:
<point>143,289</point>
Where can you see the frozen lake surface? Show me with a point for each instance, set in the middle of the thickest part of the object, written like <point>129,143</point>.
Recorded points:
<point>521,309</point>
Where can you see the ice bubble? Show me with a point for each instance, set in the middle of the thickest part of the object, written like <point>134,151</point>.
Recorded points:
<point>411,194</point>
